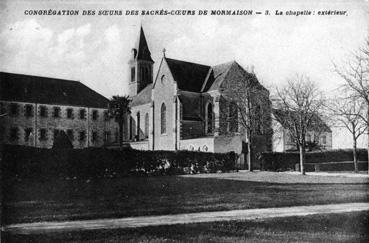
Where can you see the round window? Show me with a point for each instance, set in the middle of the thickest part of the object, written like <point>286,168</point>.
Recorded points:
<point>205,148</point>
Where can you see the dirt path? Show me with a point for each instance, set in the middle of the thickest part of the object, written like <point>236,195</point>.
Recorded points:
<point>133,222</point>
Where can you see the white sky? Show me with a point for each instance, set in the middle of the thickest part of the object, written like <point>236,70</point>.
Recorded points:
<point>95,49</point>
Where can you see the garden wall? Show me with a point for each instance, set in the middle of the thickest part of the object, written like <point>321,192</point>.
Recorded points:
<point>30,162</point>
<point>332,160</point>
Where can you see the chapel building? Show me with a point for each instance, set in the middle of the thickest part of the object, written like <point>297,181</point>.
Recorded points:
<point>190,106</point>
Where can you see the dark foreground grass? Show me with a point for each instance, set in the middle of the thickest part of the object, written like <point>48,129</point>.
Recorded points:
<point>31,201</point>
<point>348,227</point>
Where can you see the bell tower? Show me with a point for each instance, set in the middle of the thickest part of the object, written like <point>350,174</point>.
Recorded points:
<point>140,66</point>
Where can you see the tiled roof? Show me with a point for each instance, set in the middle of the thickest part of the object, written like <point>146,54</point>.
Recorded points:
<point>229,71</point>
<point>317,123</point>
<point>190,105</point>
<point>35,89</point>
<point>216,76</point>
<point>189,76</point>
<point>143,97</point>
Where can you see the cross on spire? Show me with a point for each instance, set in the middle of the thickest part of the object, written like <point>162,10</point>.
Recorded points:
<point>164,50</point>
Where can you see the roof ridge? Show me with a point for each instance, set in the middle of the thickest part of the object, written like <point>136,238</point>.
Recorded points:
<point>225,63</point>
<point>187,62</point>
<point>25,88</point>
<point>42,77</point>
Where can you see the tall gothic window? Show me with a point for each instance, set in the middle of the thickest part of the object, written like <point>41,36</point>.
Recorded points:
<point>233,117</point>
<point>163,119</point>
<point>147,125</point>
<point>146,74</point>
<point>138,126</point>
<point>209,118</point>
<point>133,70</point>
<point>130,128</point>
<point>142,73</point>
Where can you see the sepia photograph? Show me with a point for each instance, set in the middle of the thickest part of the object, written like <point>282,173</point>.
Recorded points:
<point>184,121</point>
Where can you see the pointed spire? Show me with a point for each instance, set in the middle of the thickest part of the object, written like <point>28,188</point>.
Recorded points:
<point>143,52</point>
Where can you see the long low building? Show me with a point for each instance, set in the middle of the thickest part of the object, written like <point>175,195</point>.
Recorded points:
<point>33,110</point>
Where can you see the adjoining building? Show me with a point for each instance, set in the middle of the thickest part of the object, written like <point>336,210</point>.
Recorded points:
<point>187,106</point>
<point>33,110</point>
<point>319,136</point>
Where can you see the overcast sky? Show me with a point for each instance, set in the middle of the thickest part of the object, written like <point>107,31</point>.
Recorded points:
<point>95,49</point>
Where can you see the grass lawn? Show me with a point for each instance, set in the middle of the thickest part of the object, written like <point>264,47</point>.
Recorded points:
<point>348,227</point>
<point>31,201</point>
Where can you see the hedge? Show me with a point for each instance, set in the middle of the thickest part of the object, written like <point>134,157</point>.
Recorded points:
<point>281,161</point>
<point>29,162</point>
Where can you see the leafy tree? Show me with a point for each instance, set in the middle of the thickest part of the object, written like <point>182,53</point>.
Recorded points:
<point>119,110</point>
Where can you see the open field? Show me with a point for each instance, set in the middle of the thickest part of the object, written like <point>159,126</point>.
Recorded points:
<point>59,200</point>
<point>347,227</point>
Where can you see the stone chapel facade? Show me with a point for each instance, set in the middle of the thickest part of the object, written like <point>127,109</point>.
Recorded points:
<point>187,106</point>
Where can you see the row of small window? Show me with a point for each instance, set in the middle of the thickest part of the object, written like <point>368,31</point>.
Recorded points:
<point>56,112</point>
<point>28,132</point>
<point>323,139</point>
<point>315,138</point>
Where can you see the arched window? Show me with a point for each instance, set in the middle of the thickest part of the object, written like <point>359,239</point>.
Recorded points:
<point>209,118</point>
<point>147,125</point>
<point>142,74</point>
<point>130,128</point>
<point>233,117</point>
<point>258,119</point>
<point>146,75</point>
<point>324,140</point>
<point>163,119</point>
<point>138,126</point>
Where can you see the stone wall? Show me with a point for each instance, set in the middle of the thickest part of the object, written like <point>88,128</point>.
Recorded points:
<point>192,129</point>
<point>205,144</point>
<point>141,145</point>
<point>224,144</point>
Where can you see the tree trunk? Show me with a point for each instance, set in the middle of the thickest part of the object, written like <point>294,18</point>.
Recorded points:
<point>249,157</point>
<point>368,151</point>
<point>354,151</point>
<point>302,158</point>
<point>249,152</point>
<point>367,127</point>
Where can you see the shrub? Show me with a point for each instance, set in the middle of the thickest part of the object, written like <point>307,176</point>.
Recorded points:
<point>29,162</point>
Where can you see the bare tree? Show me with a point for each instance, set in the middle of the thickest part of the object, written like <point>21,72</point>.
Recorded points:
<point>356,76</point>
<point>347,112</point>
<point>300,106</point>
<point>249,107</point>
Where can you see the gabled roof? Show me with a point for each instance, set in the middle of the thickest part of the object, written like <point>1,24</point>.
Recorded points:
<point>190,105</point>
<point>216,76</point>
<point>229,71</point>
<point>316,124</point>
<point>143,52</point>
<point>189,76</point>
<point>143,97</point>
<point>35,89</point>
